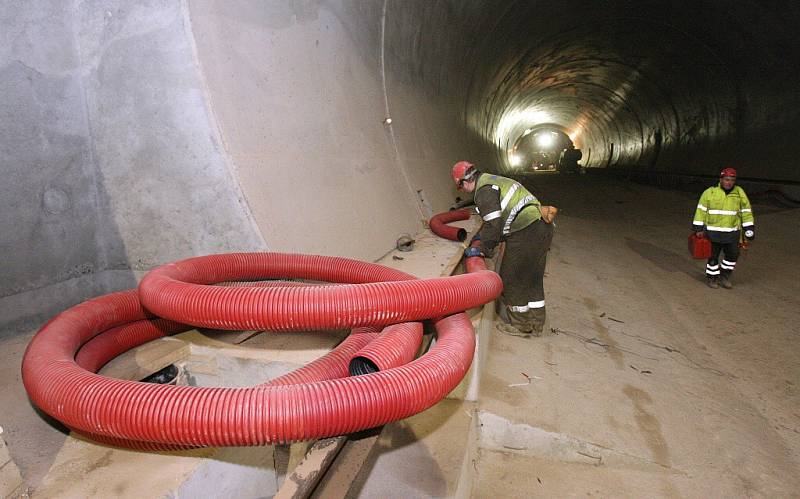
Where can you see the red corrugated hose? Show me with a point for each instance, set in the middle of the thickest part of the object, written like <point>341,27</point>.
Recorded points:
<point>382,306</point>
<point>438,224</point>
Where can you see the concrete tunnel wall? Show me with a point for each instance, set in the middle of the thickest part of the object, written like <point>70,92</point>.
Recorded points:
<point>136,133</point>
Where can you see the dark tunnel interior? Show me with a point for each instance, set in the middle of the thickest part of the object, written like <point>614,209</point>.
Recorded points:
<point>682,87</point>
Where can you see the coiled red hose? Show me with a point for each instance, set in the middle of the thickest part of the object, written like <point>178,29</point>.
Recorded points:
<point>438,224</point>
<point>315,401</point>
<point>397,345</point>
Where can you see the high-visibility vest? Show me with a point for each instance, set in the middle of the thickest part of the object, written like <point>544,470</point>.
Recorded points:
<point>720,212</point>
<point>518,207</point>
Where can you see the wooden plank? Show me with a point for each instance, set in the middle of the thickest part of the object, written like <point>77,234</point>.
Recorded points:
<point>339,478</point>
<point>332,464</point>
<point>147,359</point>
<point>309,471</point>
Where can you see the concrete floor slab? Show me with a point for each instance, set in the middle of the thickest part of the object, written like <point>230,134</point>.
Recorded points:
<point>647,362</point>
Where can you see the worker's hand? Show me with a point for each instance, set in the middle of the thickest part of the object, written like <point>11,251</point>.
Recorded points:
<point>750,234</point>
<point>700,233</point>
<point>471,252</point>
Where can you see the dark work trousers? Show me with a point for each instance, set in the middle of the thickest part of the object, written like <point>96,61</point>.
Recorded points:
<point>522,272</point>
<point>722,268</point>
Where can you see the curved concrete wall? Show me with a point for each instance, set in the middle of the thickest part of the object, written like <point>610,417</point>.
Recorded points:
<point>135,133</point>
<point>301,113</point>
<point>111,162</point>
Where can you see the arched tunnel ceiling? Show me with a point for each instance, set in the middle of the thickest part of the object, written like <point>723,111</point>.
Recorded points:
<point>715,81</point>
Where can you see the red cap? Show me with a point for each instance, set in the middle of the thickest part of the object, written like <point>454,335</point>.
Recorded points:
<point>727,172</point>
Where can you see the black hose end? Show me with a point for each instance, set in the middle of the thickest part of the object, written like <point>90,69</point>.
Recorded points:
<point>462,235</point>
<point>362,365</point>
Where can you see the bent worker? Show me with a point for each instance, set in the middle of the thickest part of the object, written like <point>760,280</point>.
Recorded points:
<point>512,214</point>
<point>721,212</point>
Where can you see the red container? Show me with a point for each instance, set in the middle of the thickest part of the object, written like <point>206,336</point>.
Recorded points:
<point>699,247</point>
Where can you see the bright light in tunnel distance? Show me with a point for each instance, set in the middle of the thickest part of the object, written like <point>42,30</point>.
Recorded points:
<point>545,139</point>
<point>527,117</point>
<point>515,160</point>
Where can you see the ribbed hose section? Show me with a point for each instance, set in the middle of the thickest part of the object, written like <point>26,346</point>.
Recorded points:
<point>397,345</point>
<point>332,365</point>
<point>98,351</point>
<point>475,263</point>
<point>192,416</point>
<point>158,417</point>
<point>178,291</point>
<point>438,224</point>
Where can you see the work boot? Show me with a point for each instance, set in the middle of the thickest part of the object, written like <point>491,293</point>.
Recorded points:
<point>511,330</point>
<point>725,282</point>
<point>712,283</point>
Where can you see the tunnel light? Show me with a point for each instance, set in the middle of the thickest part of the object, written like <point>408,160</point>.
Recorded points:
<point>515,160</point>
<point>387,121</point>
<point>544,139</point>
<point>517,118</point>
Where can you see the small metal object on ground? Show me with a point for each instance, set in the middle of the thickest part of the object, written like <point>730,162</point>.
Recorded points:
<point>405,243</point>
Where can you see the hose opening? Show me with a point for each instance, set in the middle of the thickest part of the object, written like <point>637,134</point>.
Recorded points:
<point>438,224</point>
<point>362,365</point>
<point>166,376</point>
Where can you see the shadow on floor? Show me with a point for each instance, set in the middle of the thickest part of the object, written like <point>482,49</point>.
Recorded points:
<point>666,260</point>
<point>401,457</point>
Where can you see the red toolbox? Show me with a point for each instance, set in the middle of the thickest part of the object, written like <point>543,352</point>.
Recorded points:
<point>699,247</point>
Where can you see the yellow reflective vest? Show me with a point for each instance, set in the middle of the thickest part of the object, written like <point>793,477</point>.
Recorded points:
<point>516,203</point>
<point>722,214</point>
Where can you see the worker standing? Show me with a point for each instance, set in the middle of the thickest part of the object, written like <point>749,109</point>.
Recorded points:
<point>723,210</point>
<point>512,214</point>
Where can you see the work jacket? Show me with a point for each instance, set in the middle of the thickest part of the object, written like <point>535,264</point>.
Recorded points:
<point>721,215</point>
<point>518,207</point>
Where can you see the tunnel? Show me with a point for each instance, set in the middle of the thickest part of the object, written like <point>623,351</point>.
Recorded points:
<point>135,134</point>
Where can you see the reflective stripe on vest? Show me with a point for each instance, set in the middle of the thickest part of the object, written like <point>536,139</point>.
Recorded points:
<point>514,197</point>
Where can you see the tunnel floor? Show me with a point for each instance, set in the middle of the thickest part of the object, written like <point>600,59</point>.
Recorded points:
<point>646,383</point>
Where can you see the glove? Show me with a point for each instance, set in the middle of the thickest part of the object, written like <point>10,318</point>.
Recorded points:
<point>750,234</point>
<point>470,252</point>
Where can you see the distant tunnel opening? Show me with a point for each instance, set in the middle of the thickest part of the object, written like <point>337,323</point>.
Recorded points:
<point>545,148</point>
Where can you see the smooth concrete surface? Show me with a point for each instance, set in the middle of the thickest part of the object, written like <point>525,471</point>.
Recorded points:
<point>301,112</point>
<point>112,163</point>
<point>11,482</point>
<point>49,222</point>
<point>136,133</point>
